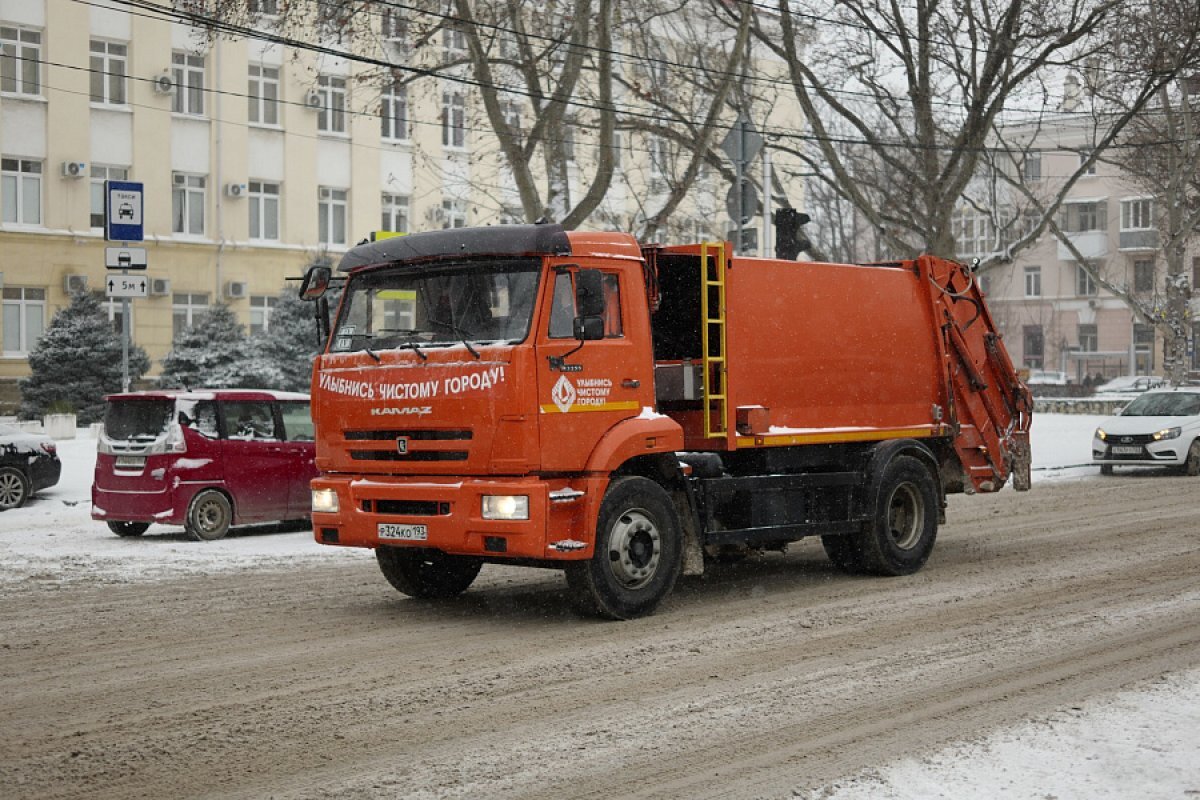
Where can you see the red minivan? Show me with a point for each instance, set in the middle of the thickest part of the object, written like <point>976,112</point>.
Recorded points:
<point>204,459</point>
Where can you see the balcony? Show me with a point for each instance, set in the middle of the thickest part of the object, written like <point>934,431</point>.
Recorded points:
<point>1139,240</point>
<point>1091,244</point>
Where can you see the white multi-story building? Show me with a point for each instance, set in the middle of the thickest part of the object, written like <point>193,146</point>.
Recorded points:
<point>256,159</point>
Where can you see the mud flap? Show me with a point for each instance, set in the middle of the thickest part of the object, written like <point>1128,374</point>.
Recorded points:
<point>1021,461</point>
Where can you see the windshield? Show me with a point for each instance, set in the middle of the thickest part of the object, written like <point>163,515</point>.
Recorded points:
<point>134,420</point>
<point>438,306</point>
<point>1167,404</point>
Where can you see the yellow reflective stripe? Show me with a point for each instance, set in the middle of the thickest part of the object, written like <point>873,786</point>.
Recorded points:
<point>624,405</point>
<point>831,437</point>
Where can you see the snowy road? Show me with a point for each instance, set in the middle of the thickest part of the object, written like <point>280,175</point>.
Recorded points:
<point>299,673</point>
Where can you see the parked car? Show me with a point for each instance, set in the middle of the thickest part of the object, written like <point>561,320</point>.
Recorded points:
<point>1128,384</point>
<point>206,459</point>
<point>1159,428</point>
<point>28,463</point>
<point>1046,377</point>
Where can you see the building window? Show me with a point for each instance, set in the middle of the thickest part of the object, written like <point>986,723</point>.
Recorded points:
<point>332,116</point>
<point>394,28</point>
<point>188,69</point>
<point>1083,217</point>
<point>454,119</point>
<point>974,233</point>
<point>262,95</point>
<point>1088,339</point>
<point>266,8</point>
<point>1084,155</point>
<point>187,203</point>
<point>454,43</point>
<point>185,308</point>
<point>1085,284</point>
<point>454,214</point>
<point>331,215</point>
<point>24,319</point>
<point>393,111</point>
<point>1137,215</point>
<point>100,174</point>
<point>264,210</point>
<point>1031,167</point>
<point>569,139</point>
<point>20,60</point>
<point>617,149</point>
<point>261,307</point>
<point>1033,281</point>
<point>1033,346</point>
<point>395,213</point>
<point>21,190</point>
<point>1143,348</point>
<point>511,111</point>
<point>108,62</point>
<point>1143,275</point>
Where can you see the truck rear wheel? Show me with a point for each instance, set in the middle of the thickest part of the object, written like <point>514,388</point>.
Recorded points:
<point>427,574</point>
<point>900,537</point>
<point>638,553</point>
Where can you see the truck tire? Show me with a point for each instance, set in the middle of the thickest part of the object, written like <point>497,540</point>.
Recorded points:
<point>128,528</point>
<point>638,553</point>
<point>845,551</point>
<point>14,488</point>
<point>426,574</point>
<point>209,516</point>
<point>900,537</point>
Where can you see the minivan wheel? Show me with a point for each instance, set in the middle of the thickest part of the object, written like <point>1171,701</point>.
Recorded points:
<point>128,528</point>
<point>14,488</point>
<point>209,516</point>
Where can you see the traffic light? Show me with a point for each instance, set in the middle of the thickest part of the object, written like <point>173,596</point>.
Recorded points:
<point>788,241</point>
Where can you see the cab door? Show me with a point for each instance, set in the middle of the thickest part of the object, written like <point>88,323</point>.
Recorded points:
<point>587,387</point>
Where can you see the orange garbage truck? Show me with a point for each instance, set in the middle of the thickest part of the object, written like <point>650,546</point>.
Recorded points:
<point>529,395</point>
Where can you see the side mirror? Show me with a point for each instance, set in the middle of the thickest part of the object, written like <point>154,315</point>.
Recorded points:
<point>316,281</point>
<point>589,329</point>
<point>589,293</point>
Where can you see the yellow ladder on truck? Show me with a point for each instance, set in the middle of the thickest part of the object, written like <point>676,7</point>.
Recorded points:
<point>712,334</point>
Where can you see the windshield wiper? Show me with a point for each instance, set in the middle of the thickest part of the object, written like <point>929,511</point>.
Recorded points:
<point>462,334</point>
<point>411,344</point>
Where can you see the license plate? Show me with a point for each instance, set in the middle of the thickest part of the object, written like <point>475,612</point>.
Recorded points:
<point>130,462</point>
<point>1126,451</point>
<point>407,533</point>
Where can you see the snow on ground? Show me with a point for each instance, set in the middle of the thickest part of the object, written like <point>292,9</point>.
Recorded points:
<point>1135,744</point>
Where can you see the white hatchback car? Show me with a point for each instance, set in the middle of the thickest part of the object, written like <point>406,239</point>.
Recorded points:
<point>1159,428</point>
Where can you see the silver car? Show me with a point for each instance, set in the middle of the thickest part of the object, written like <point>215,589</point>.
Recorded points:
<point>1160,428</point>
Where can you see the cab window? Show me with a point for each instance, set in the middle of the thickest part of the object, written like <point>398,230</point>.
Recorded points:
<point>297,421</point>
<point>562,313</point>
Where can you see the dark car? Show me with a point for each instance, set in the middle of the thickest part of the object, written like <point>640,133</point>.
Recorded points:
<point>28,463</point>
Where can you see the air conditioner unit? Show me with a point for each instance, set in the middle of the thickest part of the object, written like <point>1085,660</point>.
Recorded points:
<point>312,99</point>
<point>235,189</point>
<point>235,290</point>
<point>75,283</point>
<point>160,287</point>
<point>74,169</point>
<point>435,214</point>
<point>164,82</point>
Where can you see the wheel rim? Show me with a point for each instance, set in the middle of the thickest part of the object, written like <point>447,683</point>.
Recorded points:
<point>906,516</point>
<point>10,489</point>
<point>210,516</point>
<point>635,548</point>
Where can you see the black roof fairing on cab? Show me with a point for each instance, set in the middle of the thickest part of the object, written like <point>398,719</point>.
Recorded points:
<point>499,240</point>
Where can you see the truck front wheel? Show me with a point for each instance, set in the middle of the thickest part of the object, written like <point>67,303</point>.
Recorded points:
<point>900,537</point>
<point>427,574</point>
<point>638,553</point>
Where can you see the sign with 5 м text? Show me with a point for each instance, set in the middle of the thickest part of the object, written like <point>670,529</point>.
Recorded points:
<point>123,211</point>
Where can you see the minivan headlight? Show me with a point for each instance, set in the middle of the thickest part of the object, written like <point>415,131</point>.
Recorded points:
<point>324,501</point>
<point>505,506</point>
<point>1168,433</point>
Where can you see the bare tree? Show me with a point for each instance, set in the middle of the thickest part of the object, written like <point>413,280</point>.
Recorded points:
<point>904,100</point>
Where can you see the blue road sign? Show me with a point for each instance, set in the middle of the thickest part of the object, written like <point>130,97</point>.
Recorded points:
<point>122,211</point>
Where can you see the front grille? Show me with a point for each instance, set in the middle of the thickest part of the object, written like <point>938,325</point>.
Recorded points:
<point>408,508</point>
<point>1128,439</point>
<point>448,435</point>
<point>415,455</point>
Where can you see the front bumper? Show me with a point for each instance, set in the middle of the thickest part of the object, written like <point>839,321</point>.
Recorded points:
<point>1165,453</point>
<point>447,512</point>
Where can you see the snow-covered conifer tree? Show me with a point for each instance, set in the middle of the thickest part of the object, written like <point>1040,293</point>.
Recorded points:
<point>281,356</point>
<point>76,362</point>
<point>211,352</point>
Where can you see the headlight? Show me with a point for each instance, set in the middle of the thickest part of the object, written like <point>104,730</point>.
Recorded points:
<point>324,501</point>
<point>505,506</point>
<point>1168,433</point>
<point>1101,435</point>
